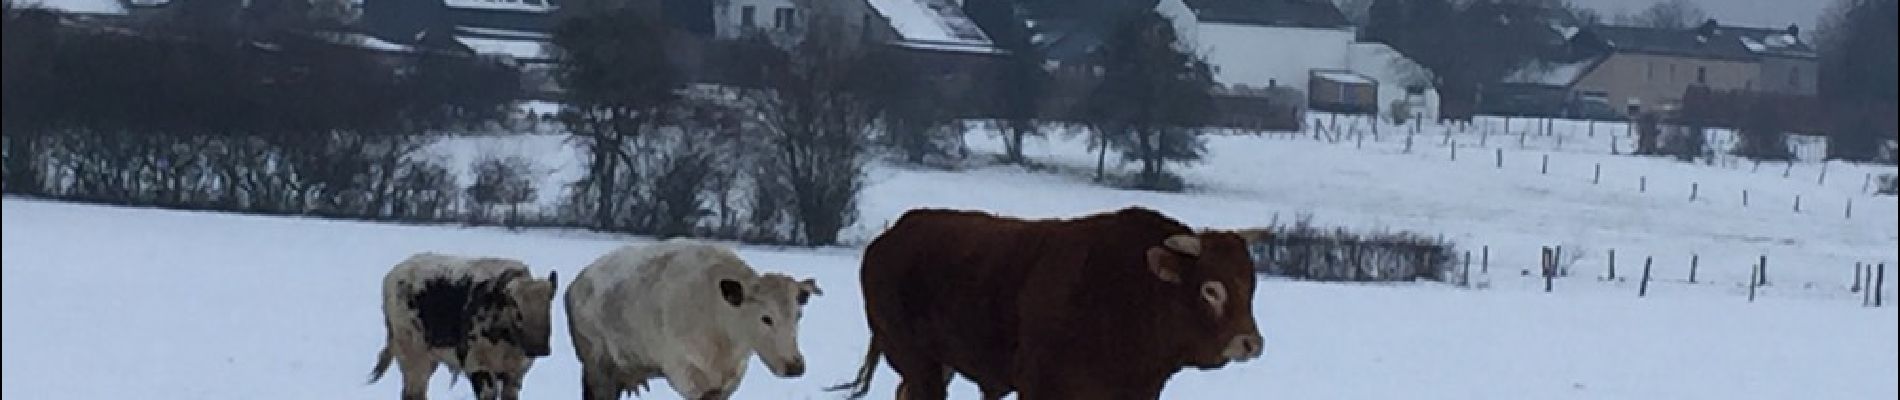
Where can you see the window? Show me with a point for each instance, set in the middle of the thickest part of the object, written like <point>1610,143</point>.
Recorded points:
<point>745,17</point>
<point>1702,75</point>
<point>784,19</point>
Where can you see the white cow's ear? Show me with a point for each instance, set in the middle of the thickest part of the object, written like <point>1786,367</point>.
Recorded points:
<point>732,291</point>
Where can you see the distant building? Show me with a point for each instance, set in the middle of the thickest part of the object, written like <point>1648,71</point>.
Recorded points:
<point>1619,70</point>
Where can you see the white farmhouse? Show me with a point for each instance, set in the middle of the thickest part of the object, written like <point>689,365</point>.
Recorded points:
<point>1293,43</point>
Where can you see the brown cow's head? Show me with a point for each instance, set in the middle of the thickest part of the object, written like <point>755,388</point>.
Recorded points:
<point>770,307</point>
<point>532,299</point>
<point>1212,274</point>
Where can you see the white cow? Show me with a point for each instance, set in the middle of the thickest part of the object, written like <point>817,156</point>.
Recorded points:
<point>485,316</point>
<point>688,311</point>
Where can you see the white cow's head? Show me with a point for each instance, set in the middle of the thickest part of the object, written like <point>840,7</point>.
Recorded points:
<point>769,308</point>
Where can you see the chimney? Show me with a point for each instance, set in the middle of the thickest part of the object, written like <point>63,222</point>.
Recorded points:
<point>1794,30</point>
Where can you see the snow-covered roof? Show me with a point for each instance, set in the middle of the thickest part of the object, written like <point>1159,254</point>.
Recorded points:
<point>1753,45</point>
<point>1551,73</point>
<point>1388,66</point>
<point>951,47</point>
<point>519,49</point>
<point>502,5</point>
<point>106,7</point>
<point>501,33</point>
<point>932,22</point>
<point>1342,77</point>
<point>363,40</point>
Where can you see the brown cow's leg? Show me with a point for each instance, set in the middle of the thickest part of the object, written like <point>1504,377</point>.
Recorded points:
<point>921,381</point>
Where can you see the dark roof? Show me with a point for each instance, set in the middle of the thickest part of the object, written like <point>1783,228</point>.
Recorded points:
<point>1286,13</point>
<point>1070,29</point>
<point>1708,41</point>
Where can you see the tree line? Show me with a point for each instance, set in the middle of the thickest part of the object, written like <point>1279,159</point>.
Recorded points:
<point>271,106</point>
<point>219,105</point>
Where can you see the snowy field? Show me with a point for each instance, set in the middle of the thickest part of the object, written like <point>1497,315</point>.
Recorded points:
<point>104,302</point>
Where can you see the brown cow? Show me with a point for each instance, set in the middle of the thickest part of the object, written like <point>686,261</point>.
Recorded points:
<point>1105,306</point>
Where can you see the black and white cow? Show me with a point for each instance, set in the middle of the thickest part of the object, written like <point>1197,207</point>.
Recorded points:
<point>486,317</point>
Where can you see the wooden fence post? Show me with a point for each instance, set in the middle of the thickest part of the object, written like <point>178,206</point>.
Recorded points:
<point>1867,285</point>
<point>1642,184</point>
<point>1694,259</point>
<point>1467,277</point>
<point>1744,197</point>
<point>1612,264</point>
<point>1864,182</point>
<point>1454,150</point>
<point>1787,171</point>
<point>1754,274</point>
<point>1500,153</point>
<point>1823,179</point>
<point>1880,283</point>
<point>1855,287</point>
<point>1850,209</point>
<point>1545,169</point>
<point>1642,289</point>
<point>1548,266</point>
<point>1693,188</point>
<point>1797,203</point>
<point>1764,270</point>
<point>1598,175</point>
<point>1556,261</point>
<point>1485,266</point>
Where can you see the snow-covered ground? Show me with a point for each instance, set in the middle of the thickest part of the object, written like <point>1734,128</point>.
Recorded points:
<point>107,303</point>
<point>131,303</point>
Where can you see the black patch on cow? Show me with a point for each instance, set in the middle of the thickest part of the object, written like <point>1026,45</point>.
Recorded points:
<point>454,311</point>
<point>442,305</point>
<point>480,381</point>
<point>732,291</point>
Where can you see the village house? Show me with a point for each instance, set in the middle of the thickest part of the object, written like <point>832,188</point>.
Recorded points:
<point>1617,71</point>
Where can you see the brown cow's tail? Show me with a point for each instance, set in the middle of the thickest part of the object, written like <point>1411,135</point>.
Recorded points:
<point>862,384</point>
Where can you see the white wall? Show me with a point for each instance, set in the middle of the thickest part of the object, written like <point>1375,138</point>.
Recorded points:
<point>1256,55</point>
<point>1394,72</point>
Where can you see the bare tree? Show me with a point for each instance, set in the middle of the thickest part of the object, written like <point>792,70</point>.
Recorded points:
<point>1667,14</point>
<point>815,114</point>
<point>619,81</point>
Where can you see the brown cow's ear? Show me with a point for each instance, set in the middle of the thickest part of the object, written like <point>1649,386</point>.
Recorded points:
<point>732,291</point>
<point>1186,244</point>
<point>1161,263</point>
